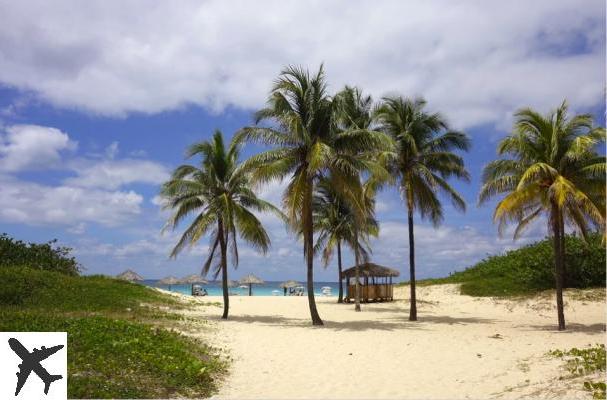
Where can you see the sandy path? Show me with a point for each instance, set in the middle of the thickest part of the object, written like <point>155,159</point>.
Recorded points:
<point>449,353</point>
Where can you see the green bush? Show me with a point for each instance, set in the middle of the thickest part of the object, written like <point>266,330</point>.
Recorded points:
<point>46,256</point>
<point>531,269</point>
<point>117,347</point>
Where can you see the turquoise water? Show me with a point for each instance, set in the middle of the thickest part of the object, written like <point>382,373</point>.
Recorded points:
<point>214,288</point>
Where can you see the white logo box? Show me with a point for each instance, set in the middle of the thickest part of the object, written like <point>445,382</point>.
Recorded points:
<point>55,364</point>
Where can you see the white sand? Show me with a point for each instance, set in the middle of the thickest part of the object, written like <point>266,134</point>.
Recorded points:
<point>378,353</point>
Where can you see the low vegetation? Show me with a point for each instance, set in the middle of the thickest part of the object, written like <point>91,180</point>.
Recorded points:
<point>117,345</point>
<point>530,269</point>
<point>585,362</point>
<point>47,256</point>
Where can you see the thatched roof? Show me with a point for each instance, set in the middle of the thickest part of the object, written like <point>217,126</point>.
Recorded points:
<point>130,275</point>
<point>289,284</point>
<point>169,280</point>
<point>194,278</point>
<point>251,279</point>
<point>370,269</point>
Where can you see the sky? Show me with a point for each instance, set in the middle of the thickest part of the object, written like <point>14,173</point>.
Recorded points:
<point>98,101</point>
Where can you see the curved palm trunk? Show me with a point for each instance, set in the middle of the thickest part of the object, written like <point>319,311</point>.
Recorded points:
<point>309,251</point>
<point>224,269</point>
<point>558,241</point>
<point>340,298</point>
<point>413,306</point>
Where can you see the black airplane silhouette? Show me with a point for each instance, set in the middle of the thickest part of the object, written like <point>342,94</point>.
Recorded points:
<point>31,362</point>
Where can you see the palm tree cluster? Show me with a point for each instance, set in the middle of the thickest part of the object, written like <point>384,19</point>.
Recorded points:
<point>335,152</point>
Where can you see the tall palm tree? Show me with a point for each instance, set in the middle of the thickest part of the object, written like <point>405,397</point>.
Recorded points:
<point>307,145</point>
<point>217,194</point>
<point>549,166</point>
<point>336,223</point>
<point>354,114</point>
<point>422,163</point>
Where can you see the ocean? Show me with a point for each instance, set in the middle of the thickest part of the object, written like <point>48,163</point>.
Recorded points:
<point>267,289</point>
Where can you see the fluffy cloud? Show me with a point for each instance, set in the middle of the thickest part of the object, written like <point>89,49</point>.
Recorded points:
<point>36,204</point>
<point>32,147</point>
<point>94,194</point>
<point>476,61</point>
<point>113,174</point>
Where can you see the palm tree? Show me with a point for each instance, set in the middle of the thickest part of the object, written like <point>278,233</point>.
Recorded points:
<point>354,114</point>
<point>307,145</point>
<point>549,166</point>
<point>217,194</point>
<point>336,224</point>
<point>422,164</point>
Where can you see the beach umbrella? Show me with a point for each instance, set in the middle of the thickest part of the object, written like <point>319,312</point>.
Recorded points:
<point>192,280</point>
<point>169,280</point>
<point>288,284</point>
<point>251,280</point>
<point>129,275</point>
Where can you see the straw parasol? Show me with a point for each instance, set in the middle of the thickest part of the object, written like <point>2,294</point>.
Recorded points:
<point>251,280</point>
<point>193,279</point>
<point>168,281</point>
<point>288,284</point>
<point>130,275</point>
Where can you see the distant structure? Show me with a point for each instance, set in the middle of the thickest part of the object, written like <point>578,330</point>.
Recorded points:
<point>130,275</point>
<point>251,280</point>
<point>376,284</point>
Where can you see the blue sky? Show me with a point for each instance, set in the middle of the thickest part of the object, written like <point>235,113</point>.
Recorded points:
<point>99,101</point>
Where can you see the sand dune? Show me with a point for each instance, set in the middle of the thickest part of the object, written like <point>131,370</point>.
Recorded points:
<point>462,347</point>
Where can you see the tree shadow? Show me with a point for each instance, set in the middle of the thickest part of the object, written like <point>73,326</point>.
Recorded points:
<point>598,328</point>
<point>382,324</point>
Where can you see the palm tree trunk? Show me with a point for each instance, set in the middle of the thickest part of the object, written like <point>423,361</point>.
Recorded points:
<point>309,250</point>
<point>340,297</point>
<point>357,274</point>
<point>413,305</point>
<point>562,227</point>
<point>558,264</point>
<point>224,269</point>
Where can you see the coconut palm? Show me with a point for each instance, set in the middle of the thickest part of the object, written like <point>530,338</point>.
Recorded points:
<point>354,114</point>
<point>422,164</point>
<point>306,145</point>
<point>549,166</point>
<point>217,194</point>
<point>336,223</point>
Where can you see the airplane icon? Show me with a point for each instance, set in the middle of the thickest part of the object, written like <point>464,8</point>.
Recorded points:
<point>31,362</point>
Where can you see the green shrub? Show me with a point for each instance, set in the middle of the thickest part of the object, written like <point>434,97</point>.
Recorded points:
<point>117,347</point>
<point>46,256</point>
<point>531,268</point>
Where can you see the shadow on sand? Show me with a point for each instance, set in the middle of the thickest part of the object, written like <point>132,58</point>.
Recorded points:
<point>571,328</point>
<point>383,324</point>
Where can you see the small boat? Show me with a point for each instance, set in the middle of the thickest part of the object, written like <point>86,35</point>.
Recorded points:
<point>275,292</point>
<point>325,291</point>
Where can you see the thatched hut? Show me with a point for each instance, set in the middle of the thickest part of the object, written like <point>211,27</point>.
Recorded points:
<point>192,280</point>
<point>251,280</point>
<point>168,281</point>
<point>130,275</point>
<point>376,282</point>
<point>288,285</point>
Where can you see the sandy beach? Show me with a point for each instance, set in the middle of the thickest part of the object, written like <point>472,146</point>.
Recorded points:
<point>462,347</point>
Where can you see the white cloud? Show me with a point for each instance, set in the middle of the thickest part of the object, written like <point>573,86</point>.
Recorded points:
<point>443,249</point>
<point>475,61</point>
<point>32,147</point>
<point>36,204</point>
<point>113,174</point>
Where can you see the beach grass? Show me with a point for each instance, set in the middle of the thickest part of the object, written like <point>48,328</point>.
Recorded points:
<point>529,270</point>
<point>117,347</point>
